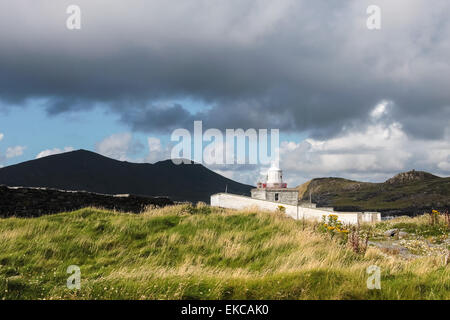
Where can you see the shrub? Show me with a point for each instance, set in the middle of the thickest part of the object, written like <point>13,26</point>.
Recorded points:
<point>332,226</point>
<point>357,241</point>
<point>447,219</point>
<point>434,217</point>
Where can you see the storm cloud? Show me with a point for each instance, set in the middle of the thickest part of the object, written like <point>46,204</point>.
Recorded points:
<point>301,66</point>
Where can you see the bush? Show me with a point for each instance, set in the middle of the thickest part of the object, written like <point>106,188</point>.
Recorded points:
<point>332,226</point>
<point>357,241</point>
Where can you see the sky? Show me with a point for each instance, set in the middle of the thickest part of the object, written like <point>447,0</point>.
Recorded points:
<point>348,101</point>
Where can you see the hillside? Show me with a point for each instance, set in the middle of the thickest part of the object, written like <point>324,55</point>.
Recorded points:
<point>186,252</point>
<point>88,171</point>
<point>410,193</point>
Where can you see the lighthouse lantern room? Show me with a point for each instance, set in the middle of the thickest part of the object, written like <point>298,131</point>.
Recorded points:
<point>274,179</point>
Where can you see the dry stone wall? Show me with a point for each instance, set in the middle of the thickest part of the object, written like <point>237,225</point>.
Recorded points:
<point>34,202</point>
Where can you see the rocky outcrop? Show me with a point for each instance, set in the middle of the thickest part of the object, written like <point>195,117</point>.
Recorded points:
<point>34,202</point>
<point>410,176</point>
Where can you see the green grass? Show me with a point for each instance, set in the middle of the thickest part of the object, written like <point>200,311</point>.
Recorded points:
<point>185,252</point>
<point>418,228</point>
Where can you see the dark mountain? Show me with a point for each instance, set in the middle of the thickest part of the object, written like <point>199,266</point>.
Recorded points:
<point>88,171</point>
<point>409,193</point>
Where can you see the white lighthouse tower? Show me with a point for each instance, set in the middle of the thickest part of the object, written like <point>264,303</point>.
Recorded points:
<point>274,189</point>
<point>274,179</point>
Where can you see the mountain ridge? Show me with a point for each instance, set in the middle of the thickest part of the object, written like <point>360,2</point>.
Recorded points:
<point>85,170</point>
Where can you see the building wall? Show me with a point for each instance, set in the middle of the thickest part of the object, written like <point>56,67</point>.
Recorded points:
<point>231,201</point>
<point>285,195</point>
<point>369,217</point>
<point>307,204</point>
<point>259,194</point>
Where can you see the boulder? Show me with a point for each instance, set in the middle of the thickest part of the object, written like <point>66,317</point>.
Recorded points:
<point>391,232</point>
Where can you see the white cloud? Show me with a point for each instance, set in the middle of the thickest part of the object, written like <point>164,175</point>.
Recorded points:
<point>16,151</point>
<point>156,150</point>
<point>380,110</point>
<point>49,152</point>
<point>374,153</point>
<point>226,173</point>
<point>154,144</point>
<point>124,147</point>
<point>248,174</point>
<point>444,165</point>
<point>116,146</point>
<point>11,152</point>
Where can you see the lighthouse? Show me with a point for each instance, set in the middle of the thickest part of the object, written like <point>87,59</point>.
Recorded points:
<point>274,189</point>
<point>273,179</point>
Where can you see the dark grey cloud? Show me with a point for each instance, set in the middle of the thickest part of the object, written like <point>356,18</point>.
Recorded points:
<point>293,65</point>
<point>158,118</point>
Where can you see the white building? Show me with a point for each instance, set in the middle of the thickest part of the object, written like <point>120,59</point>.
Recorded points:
<point>273,193</point>
<point>274,189</point>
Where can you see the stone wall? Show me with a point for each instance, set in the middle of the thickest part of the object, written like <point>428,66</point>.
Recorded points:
<point>284,195</point>
<point>34,202</point>
<point>232,201</point>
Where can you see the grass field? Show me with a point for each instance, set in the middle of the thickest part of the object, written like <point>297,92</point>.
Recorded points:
<point>185,252</point>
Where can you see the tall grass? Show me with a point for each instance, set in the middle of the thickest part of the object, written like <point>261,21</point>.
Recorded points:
<point>186,252</point>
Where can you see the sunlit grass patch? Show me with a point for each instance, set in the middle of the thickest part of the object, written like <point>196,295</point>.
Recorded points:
<point>198,252</point>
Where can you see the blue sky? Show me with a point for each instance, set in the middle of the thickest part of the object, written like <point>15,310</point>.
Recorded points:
<point>30,126</point>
